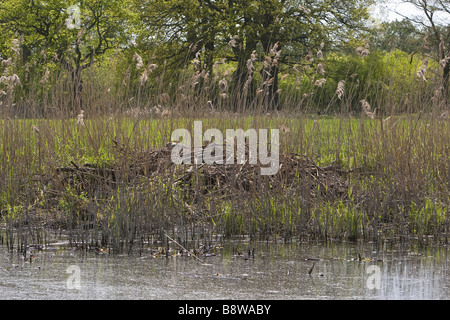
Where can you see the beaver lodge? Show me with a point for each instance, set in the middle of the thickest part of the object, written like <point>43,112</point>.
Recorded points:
<point>141,169</point>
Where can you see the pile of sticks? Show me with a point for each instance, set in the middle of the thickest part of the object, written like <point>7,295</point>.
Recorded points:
<point>296,172</point>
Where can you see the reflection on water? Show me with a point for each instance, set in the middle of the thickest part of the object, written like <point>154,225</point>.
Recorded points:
<point>277,271</point>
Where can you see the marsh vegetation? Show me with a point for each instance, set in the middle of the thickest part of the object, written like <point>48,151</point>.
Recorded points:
<point>364,143</point>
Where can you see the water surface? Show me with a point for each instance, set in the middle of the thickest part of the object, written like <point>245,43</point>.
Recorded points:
<point>276,271</point>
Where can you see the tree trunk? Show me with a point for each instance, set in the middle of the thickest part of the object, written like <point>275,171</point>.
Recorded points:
<point>77,82</point>
<point>445,76</point>
<point>271,78</point>
<point>77,89</point>
<point>273,94</point>
<point>243,84</point>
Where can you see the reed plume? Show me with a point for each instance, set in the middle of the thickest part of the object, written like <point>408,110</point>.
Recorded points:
<point>340,90</point>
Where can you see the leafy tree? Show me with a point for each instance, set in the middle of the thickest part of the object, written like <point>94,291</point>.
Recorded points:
<point>74,34</point>
<point>399,34</point>
<point>270,30</point>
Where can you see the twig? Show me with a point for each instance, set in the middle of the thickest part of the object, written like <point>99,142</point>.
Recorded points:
<point>183,248</point>
<point>310,270</point>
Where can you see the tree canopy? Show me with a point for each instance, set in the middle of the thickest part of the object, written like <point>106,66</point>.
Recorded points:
<point>257,43</point>
<point>73,34</point>
<point>237,29</point>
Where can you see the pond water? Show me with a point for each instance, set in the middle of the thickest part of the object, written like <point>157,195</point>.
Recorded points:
<point>275,271</point>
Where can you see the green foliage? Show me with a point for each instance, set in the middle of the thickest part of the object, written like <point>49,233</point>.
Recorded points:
<point>73,38</point>
<point>427,218</point>
<point>235,29</point>
<point>399,34</point>
<point>381,78</point>
<point>44,26</point>
<point>187,41</point>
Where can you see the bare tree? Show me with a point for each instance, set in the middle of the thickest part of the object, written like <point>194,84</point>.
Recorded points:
<point>435,22</point>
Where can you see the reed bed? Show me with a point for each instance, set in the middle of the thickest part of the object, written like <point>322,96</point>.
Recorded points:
<point>102,176</point>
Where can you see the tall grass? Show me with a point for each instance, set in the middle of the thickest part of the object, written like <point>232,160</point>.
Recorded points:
<point>396,164</point>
